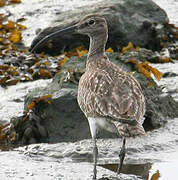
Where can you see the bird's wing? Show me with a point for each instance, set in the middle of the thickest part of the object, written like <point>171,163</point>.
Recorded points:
<point>117,98</point>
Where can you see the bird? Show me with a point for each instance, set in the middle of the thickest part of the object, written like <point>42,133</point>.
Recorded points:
<point>111,98</point>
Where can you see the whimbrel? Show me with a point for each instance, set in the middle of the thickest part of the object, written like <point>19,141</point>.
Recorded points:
<point>109,97</point>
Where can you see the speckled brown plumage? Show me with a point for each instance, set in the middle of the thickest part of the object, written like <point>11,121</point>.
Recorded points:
<point>106,91</point>
<point>109,97</point>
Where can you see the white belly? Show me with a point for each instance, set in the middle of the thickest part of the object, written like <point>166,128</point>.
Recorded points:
<point>100,122</point>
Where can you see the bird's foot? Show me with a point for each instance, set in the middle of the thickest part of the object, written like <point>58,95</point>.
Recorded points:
<point>95,155</point>
<point>121,156</point>
<point>94,172</point>
<point>94,176</point>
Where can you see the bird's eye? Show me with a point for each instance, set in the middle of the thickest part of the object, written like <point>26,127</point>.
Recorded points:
<point>91,22</point>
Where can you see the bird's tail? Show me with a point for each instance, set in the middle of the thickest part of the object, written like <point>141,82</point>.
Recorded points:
<point>128,130</point>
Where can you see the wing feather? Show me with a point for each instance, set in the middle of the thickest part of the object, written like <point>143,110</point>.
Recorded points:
<point>102,94</point>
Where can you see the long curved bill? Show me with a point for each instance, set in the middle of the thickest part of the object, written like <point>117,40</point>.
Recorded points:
<point>70,29</point>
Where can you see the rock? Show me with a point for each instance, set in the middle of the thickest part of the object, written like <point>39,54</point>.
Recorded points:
<point>169,74</point>
<point>141,21</point>
<point>62,117</point>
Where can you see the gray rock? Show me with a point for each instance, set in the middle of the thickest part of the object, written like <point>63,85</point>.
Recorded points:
<point>63,118</point>
<point>141,21</point>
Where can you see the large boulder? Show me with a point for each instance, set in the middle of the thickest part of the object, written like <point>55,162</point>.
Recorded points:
<point>140,21</point>
<point>62,118</point>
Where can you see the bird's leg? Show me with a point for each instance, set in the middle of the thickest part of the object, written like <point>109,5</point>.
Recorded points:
<point>121,156</point>
<point>95,155</point>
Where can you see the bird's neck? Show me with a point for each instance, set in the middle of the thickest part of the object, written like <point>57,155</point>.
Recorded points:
<point>97,48</point>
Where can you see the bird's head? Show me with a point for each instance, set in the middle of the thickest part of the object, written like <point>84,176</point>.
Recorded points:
<point>91,25</point>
